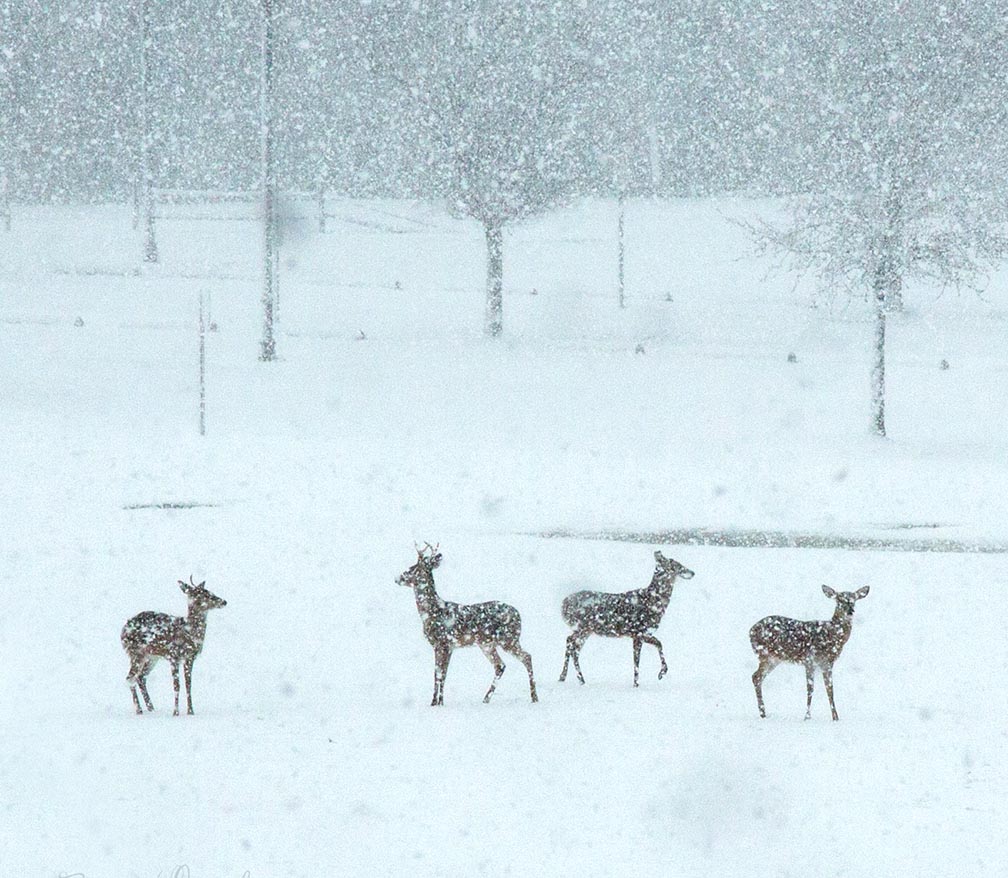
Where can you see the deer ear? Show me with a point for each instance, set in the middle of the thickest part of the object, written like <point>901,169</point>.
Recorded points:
<point>861,592</point>
<point>658,556</point>
<point>202,584</point>
<point>184,586</point>
<point>828,591</point>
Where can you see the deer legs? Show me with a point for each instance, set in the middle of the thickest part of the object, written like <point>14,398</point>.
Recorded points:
<point>142,682</point>
<point>809,683</point>
<point>766,665</point>
<point>526,659</point>
<point>576,640</point>
<point>827,675</point>
<point>655,642</point>
<point>490,651</point>
<point>187,673</point>
<point>442,655</point>
<point>138,678</point>
<point>175,685</point>
<point>574,643</point>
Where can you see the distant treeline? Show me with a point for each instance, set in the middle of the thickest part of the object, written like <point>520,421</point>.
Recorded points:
<point>658,97</point>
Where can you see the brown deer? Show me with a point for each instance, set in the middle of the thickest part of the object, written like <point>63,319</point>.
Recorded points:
<point>150,636</point>
<point>777,639</point>
<point>447,625</point>
<point>635,614</point>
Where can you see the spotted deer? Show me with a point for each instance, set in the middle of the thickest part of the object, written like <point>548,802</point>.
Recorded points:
<point>149,636</point>
<point>777,639</point>
<point>490,626</point>
<point>635,614</point>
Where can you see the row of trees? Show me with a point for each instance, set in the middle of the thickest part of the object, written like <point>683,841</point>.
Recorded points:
<point>883,121</point>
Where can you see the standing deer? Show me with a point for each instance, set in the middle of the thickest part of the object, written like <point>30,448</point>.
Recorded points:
<point>149,636</point>
<point>636,614</point>
<point>777,639</point>
<point>447,625</point>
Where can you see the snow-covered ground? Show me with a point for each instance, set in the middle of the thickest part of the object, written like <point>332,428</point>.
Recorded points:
<point>314,750</point>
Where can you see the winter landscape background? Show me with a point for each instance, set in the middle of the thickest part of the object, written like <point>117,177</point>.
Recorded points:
<point>778,206</point>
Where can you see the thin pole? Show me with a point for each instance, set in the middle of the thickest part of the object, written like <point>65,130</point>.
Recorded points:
<point>622,210</point>
<point>202,369</point>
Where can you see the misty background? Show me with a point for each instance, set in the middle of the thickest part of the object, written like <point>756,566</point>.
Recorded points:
<point>379,98</point>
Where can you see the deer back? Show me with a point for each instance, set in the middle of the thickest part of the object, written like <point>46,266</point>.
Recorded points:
<point>490,622</point>
<point>792,640</point>
<point>162,635</point>
<point>615,615</point>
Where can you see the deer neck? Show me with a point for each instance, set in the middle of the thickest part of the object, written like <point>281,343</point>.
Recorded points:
<point>428,601</point>
<point>661,585</point>
<point>841,624</point>
<point>195,624</point>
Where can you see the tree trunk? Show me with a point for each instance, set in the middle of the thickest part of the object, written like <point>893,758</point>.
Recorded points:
<point>886,283</point>
<point>267,351</point>
<point>494,325</point>
<point>894,296</point>
<point>892,279</point>
<point>147,138</point>
<point>878,366</point>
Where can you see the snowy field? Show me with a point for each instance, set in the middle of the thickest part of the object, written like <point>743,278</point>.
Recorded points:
<point>314,750</point>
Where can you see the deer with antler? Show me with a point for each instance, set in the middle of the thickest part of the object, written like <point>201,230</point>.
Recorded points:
<point>491,626</point>
<point>777,639</point>
<point>150,636</point>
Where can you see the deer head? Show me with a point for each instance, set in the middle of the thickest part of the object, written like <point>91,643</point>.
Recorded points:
<point>672,568</point>
<point>845,599</point>
<point>199,596</point>
<point>428,558</point>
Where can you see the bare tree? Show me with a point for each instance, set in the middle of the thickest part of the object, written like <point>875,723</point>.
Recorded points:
<point>491,94</point>
<point>890,102</point>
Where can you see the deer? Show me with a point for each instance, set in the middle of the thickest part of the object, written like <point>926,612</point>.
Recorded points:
<point>777,639</point>
<point>634,614</point>
<point>447,626</point>
<point>150,636</point>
